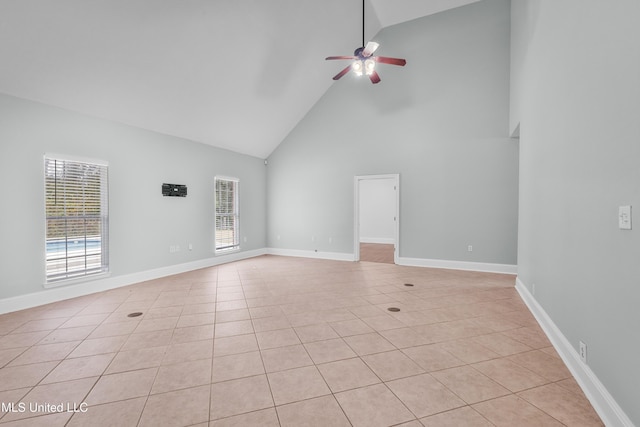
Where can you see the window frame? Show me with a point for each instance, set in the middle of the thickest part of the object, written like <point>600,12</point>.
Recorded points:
<point>99,266</point>
<point>235,245</point>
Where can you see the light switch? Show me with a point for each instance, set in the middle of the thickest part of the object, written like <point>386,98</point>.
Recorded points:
<point>624,217</point>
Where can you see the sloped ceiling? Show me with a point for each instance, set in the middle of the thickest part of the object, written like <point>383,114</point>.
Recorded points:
<point>236,74</point>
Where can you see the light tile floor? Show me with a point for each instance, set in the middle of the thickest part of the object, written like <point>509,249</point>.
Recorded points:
<point>275,341</point>
<point>376,252</point>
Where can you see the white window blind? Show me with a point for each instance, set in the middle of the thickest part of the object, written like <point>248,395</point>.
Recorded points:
<point>227,236</point>
<point>77,218</point>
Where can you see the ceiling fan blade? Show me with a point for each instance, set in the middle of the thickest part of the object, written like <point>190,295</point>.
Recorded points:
<point>374,77</point>
<point>342,73</point>
<point>328,58</point>
<point>369,49</point>
<point>392,61</point>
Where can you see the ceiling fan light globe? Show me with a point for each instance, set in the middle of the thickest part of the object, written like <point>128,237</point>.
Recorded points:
<point>369,66</point>
<point>357,67</point>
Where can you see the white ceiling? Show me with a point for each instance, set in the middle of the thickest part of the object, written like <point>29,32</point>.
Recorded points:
<point>236,74</point>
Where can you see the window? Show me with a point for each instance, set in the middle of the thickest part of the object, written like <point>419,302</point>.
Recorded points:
<point>77,218</point>
<point>227,214</point>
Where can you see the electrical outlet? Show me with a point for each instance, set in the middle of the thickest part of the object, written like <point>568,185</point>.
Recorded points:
<point>330,240</point>
<point>190,246</point>
<point>313,238</point>
<point>583,352</point>
<point>470,248</point>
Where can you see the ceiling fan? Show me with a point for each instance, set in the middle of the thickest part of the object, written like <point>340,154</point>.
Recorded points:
<point>363,60</point>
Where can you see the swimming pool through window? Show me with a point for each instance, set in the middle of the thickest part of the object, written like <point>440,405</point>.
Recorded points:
<point>77,217</point>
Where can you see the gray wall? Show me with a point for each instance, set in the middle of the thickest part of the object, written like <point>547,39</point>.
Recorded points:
<point>441,122</point>
<point>578,107</point>
<point>143,224</point>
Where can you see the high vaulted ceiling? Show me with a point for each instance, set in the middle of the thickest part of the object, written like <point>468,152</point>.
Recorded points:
<point>236,74</point>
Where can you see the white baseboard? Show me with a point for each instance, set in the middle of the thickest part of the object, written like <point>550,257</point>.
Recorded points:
<point>380,240</point>
<point>47,296</point>
<point>336,256</point>
<point>601,400</point>
<point>458,265</point>
<point>408,262</point>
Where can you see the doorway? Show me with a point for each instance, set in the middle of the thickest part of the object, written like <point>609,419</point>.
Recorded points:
<point>377,218</point>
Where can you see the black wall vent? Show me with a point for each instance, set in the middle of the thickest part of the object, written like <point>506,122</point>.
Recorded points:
<point>174,190</point>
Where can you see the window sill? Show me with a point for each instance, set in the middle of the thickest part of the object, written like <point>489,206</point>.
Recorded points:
<point>227,251</point>
<point>76,280</point>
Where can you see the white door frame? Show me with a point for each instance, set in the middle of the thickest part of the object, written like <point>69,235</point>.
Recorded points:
<point>356,210</point>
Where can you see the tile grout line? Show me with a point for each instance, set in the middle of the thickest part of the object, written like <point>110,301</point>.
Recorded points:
<point>287,289</point>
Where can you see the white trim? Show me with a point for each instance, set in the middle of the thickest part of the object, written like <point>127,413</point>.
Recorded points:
<point>356,219</point>
<point>336,256</point>
<point>602,401</point>
<point>76,280</point>
<point>48,296</point>
<point>80,159</point>
<point>104,208</point>
<point>356,214</point>
<point>226,178</point>
<point>407,262</point>
<point>227,251</point>
<point>458,265</point>
<point>379,240</point>
<point>236,214</point>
